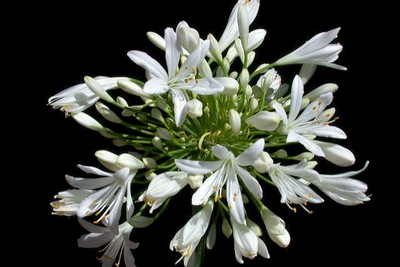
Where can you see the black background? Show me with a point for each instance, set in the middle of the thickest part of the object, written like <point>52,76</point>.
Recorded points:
<point>69,41</point>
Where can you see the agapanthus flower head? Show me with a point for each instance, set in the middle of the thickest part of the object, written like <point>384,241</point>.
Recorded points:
<point>212,125</point>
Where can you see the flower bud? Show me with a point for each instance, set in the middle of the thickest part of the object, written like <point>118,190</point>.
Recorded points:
<point>243,23</point>
<point>107,159</point>
<point>250,58</point>
<point>150,175</point>
<point>141,221</point>
<point>239,49</point>
<point>275,227</point>
<point>253,104</point>
<point>149,163</point>
<point>264,120</point>
<point>107,113</point>
<point>164,134</point>
<point>231,86</point>
<point>204,69</point>
<point>156,114</point>
<point>235,121</point>
<point>254,227</point>
<point>194,108</point>
<point>211,236</point>
<point>132,88</point>
<point>256,38</point>
<point>323,89</point>
<point>226,228</point>
<point>88,122</point>
<point>97,89</point>
<point>304,156</point>
<point>336,154</point>
<point>263,163</point>
<point>127,160</point>
<point>306,72</point>
<point>121,101</point>
<point>215,50</point>
<point>280,154</point>
<point>157,142</point>
<point>157,40</point>
<point>188,37</point>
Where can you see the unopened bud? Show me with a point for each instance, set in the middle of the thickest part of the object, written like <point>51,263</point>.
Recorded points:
<point>194,108</point>
<point>264,120</point>
<point>263,163</point>
<point>235,121</point>
<point>157,40</point>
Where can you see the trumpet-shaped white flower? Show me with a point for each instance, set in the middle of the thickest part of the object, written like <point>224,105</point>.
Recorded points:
<point>68,201</point>
<point>162,187</point>
<point>118,244</point>
<point>225,171</point>
<point>79,97</point>
<point>342,188</point>
<point>311,122</point>
<point>177,80</point>
<point>318,51</point>
<point>247,243</point>
<point>109,198</point>
<point>231,31</point>
<point>188,237</point>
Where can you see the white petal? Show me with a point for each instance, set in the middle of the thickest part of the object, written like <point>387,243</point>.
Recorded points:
<point>179,99</point>
<point>148,63</point>
<point>97,88</point>
<point>115,213</point>
<point>206,189</point>
<point>234,197</point>
<point>251,154</point>
<point>128,258</point>
<point>329,131</point>
<point>221,152</point>
<point>307,143</point>
<point>296,98</point>
<point>156,86</point>
<point>94,240</point>
<point>88,183</point>
<point>262,249</point>
<point>172,53</point>
<point>197,167</point>
<point>337,154</point>
<point>206,86</point>
<point>92,227</point>
<point>281,112</point>
<point>250,182</point>
<point>93,170</point>
<point>265,120</point>
<point>194,59</point>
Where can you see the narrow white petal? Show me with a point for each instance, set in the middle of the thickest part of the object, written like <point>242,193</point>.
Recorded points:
<point>179,99</point>
<point>221,152</point>
<point>156,86</point>
<point>93,170</point>
<point>250,182</point>
<point>94,240</point>
<point>115,213</point>
<point>172,53</point>
<point>307,143</point>
<point>92,227</point>
<point>206,189</point>
<point>251,154</point>
<point>281,112</point>
<point>88,183</point>
<point>262,249</point>
<point>194,59</point>
<point>197,167</point>
<point>148,63</point>
<point>128,257</point>
<point>329,131</point>
<point>296,98</point>
<point>234,197</point>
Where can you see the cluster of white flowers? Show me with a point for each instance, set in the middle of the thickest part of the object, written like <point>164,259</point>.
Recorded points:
<point>213,121</point>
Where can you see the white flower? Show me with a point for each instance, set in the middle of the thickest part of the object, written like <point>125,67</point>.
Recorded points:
<point>231,31</point>
<point>162,187</point>
<point>177,80</point>
<point>188,237</point>
<point>112,188</point>
<point>117,244</point>
<point>79,97</point>
<point>69,201</point>
<point>318,50</point>
<point>342,188</point>
<point>225,171</point>
<point>188,37</point>
<point>270,81</point>
<point>247,243</point>
<point>311,122</point>
<point>292,190</point>
<point>275,227</point>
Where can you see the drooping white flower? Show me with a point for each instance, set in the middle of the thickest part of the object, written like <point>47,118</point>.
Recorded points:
<point>292,190</point>
<point>225,171</point>
<point>68,201</point>
<point>275,227</point>
<point>162,187</point>
<point>342,188</point>
<point>118,244</point>
<point>311,122</point>
<point>112,188</point>
<point>247,243</point>
<point>79,97</point>
<point>175,80</point>
<point>231,31</point>
<point>188,237</point>
<point>318,51</point>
